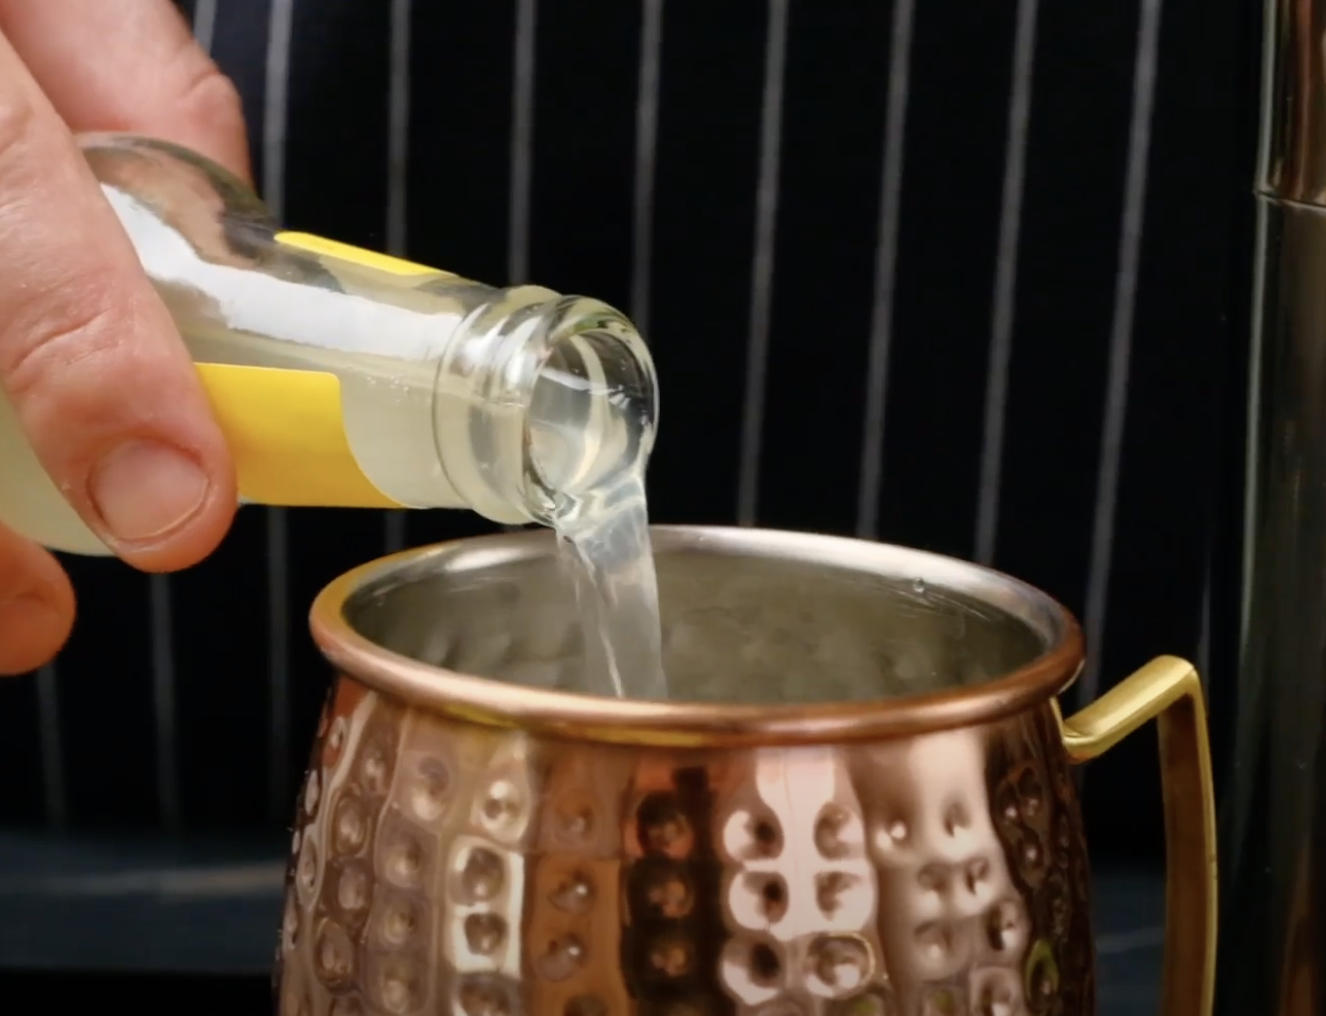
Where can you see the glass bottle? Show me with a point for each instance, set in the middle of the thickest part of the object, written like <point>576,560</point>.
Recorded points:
<point>345,378</point>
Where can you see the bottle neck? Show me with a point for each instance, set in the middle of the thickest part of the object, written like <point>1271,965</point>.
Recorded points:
<point>518,403</point>
<point>557,398</point>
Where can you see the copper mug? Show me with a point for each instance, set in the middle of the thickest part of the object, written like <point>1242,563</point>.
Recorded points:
<point>860,802</point>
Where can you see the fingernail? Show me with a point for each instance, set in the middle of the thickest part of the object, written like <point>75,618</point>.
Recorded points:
<point>143,490</point>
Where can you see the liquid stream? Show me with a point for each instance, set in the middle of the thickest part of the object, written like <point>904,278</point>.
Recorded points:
<point>605,546</point>
<point>590,432</point>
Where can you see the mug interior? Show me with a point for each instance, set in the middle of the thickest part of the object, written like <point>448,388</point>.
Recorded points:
<point>749,617</point>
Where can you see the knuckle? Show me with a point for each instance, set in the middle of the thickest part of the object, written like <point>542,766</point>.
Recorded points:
<point>18,122</point>
<point>207,96</point>
<point>58,336</point>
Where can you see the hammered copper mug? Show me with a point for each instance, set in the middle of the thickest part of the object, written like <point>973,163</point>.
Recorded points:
<point>860,802</point>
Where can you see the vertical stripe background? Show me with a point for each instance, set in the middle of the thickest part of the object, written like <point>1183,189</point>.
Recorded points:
<point>967,277</point>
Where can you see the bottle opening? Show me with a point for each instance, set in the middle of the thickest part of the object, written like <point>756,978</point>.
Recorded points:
<point>592,414</point>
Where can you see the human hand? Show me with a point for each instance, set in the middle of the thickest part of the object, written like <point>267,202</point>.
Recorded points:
<point>89,357</point>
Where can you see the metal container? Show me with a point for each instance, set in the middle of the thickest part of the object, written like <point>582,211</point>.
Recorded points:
<point>859,803</point>
<point>1275,816</point>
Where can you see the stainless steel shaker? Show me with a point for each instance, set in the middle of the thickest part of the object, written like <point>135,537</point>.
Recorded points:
<point>1273,851</point>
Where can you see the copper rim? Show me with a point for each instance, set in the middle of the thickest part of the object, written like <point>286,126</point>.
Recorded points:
<point>628,721</point>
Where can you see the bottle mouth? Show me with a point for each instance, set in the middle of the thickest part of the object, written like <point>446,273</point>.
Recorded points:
<point>592,416</point>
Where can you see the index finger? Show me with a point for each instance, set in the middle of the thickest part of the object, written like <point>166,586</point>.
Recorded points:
<point>98,377</point>
<point>131,67</point>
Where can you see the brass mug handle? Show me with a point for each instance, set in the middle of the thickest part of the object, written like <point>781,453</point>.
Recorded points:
<point>1169,691</point>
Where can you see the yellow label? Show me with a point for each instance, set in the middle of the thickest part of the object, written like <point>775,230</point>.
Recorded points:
<point>355,255</point>
<point>287,436</point>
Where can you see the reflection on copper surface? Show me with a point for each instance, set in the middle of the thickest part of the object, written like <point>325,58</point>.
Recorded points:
<point>476,848</point>
<point>441,867</point>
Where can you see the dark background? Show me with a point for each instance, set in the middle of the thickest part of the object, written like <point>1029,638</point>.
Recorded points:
<point>1173,561</point>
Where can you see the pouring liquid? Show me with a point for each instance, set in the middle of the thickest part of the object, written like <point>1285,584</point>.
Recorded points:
<point>517,403</point>
<point>607,551</point>
<point>602,530</point>
<point>603,526</point>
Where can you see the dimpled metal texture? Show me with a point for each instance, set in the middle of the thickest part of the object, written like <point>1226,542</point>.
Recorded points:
<point>446,862</point>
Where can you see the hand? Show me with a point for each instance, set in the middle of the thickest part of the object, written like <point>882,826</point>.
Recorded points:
<point>100,381</point>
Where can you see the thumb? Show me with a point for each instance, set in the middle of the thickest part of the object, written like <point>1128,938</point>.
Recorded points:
<point>132,66</point>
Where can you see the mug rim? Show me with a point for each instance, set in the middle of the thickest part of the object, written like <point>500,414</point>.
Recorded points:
<point>585,717</point>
